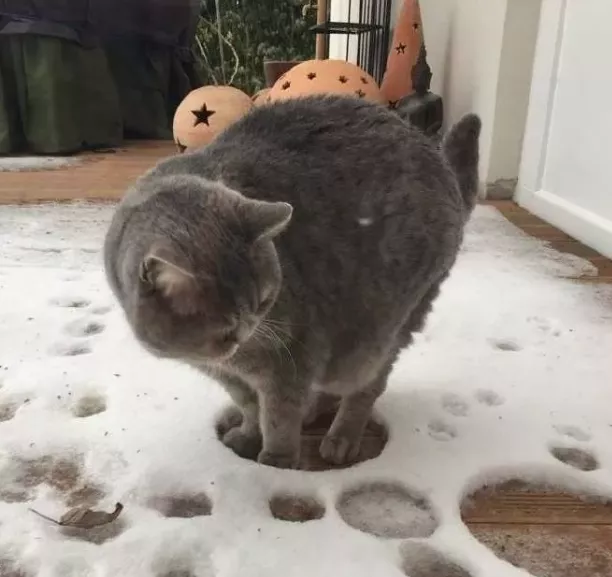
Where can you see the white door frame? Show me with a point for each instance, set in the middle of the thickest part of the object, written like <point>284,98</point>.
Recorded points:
<point>586,226</point>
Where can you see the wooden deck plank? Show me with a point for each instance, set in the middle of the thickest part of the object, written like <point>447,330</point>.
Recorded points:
<point>99,176</point>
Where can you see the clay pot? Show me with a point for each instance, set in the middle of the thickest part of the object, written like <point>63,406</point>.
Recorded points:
<point>326,77</point>
<point>207,111</point>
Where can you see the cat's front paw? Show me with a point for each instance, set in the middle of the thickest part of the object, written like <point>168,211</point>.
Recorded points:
<point>230,418</point>
<point>244,445</point>
<point>289,460</point>
<point>340,449</point>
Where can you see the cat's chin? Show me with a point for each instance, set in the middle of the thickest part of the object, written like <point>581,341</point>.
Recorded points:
<point>229,354</point>
<point>193,359</point>
<point>219,359</point>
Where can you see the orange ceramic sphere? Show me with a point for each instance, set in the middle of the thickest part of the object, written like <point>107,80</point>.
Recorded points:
<point>207,111</point>
<point>261,97</point>
<point>326,77</point>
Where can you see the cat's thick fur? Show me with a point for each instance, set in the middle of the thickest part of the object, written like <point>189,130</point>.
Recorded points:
<point>294,256</point>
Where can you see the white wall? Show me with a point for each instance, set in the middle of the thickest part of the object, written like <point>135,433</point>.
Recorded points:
<point>513,88</point>
<point>464,40</point>
<point>480,52</point>
<point>579,159</point>
<point>566,175</point>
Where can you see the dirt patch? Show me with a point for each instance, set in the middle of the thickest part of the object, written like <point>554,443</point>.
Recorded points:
<point>296,509</point>
<point>182,506</point>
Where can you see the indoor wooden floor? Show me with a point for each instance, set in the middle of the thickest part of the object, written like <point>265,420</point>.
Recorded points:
<point>549,533</point>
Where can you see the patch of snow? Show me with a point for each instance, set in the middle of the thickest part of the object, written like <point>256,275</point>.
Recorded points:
<point>35,163</point>
<point>513,366</point>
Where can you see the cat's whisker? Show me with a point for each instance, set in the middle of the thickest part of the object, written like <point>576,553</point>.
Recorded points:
<point>282,343</point>
<point>260,339</point>
<point>265,332</point>
<point>305,352</point>
<point>283,330</point>
<point>276,339</point>
<point>283,323</point>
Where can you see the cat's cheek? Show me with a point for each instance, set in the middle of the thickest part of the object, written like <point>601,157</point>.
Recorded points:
<point>247,330</point>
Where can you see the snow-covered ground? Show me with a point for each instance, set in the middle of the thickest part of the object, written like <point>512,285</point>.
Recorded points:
<point>515,364</point>
<point>29,163</point>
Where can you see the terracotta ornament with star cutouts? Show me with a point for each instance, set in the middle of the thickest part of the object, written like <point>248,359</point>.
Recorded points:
<point>408,43</point>
<point>330,76</point>
<point>205,112</point>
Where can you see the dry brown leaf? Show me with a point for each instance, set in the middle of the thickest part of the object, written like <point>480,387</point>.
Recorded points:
<point>84,518</point>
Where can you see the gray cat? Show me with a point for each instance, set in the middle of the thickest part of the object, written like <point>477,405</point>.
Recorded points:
<point>292,259</point>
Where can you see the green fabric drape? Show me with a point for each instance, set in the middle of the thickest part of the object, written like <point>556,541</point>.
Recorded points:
<point>56,96</point>
<point>59,97</point>
<point>151,80</point>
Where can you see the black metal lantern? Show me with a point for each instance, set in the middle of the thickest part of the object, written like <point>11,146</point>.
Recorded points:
<point>368,33</point>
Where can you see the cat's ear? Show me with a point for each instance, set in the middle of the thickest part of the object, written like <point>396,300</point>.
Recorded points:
<point>168,274</point>
<point>266,219</point>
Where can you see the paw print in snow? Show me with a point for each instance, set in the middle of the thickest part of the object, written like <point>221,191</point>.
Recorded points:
<point>455,405</point>
<point>575,433</point>
<point>441,431</point>
<point>489,398</point>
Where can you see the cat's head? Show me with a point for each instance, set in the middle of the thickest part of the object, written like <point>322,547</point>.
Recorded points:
<point>204,271</point>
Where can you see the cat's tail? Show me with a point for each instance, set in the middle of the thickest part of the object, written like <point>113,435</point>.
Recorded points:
<point>461,149</point>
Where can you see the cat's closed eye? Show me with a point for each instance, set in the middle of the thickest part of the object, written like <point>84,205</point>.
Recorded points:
<point>231,338</point>
<point>264,301</point>
<point>228,338</point>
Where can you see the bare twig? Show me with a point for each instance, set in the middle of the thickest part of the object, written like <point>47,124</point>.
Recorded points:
<point>210,69</point>
<point>220,37</point>
<point>231,47</point>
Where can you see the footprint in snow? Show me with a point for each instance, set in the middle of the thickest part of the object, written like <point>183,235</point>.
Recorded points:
<point>441,431</point>
<point>506,345</point>
<point>489,398</point>
<point>387,510</point>
<point>176,573</point>
<point>422,560</point>
<point>85,328</point>
<point>68,349</point>
<point>455,405</point>
<point>575,433</point>
<point>89,405</point>
<point>102,310</point>
<point>576,458</point>
<point>70,302</point>
<point>182,506</point>
<point>296,509</point>
<point>7,411</point>
<point>545,325</point>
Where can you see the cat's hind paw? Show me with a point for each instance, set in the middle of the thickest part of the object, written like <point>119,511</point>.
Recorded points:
<point>244,445</point>
<point>279,460</point>
<point>339,449</point>
<point>230,418</point>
